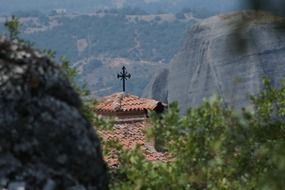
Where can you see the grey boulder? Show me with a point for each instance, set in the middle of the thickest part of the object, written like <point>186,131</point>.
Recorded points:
<point>45,141</point>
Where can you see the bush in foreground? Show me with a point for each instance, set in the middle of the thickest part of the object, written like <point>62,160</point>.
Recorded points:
<point>213,147</point>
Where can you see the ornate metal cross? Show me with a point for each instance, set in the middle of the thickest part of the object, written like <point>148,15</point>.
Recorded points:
<point>124,76</point>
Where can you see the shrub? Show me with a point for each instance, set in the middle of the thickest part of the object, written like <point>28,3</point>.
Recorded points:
<point>213,147</point>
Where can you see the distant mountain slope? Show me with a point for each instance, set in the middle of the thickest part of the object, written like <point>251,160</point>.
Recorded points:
<point>137,37</point>
<point>100,43</point>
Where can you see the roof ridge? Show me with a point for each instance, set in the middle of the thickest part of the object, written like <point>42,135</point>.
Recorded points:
<point>122,101</point>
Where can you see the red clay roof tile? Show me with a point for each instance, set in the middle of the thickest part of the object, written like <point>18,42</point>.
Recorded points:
<point>125,102</point>
<point>129,135</point>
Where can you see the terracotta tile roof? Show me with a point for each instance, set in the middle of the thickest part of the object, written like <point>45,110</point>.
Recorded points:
<point>129,135</point>
<point>125,102</point>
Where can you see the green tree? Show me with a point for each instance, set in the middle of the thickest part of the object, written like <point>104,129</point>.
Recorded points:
<point>72,73</point>
<point>213,147</point>
<point>13,26</point>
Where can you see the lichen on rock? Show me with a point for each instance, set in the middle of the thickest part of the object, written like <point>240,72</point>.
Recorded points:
<point>45,141</point>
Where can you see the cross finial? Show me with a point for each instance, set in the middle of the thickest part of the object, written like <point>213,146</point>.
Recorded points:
<point>124,76</point>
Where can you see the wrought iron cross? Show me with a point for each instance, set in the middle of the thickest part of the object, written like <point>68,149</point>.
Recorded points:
<point>124,76</point>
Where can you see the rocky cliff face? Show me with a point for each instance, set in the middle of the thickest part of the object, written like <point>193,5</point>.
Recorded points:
<point>45,142</point>
<point>228,55</point>
<point>157,87</point>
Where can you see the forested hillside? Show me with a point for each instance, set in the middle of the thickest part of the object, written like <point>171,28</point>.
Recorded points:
<point>150,6</point>
<point>107,39</point>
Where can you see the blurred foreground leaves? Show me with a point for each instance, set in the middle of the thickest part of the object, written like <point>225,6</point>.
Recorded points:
<point>276,8</point>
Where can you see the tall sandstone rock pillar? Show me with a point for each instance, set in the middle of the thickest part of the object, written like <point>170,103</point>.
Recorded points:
<point>228,55</point>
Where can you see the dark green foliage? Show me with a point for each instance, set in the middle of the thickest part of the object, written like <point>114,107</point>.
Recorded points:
<point>213,147</point>
<point>71,74</point>
<point>13,26</point>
